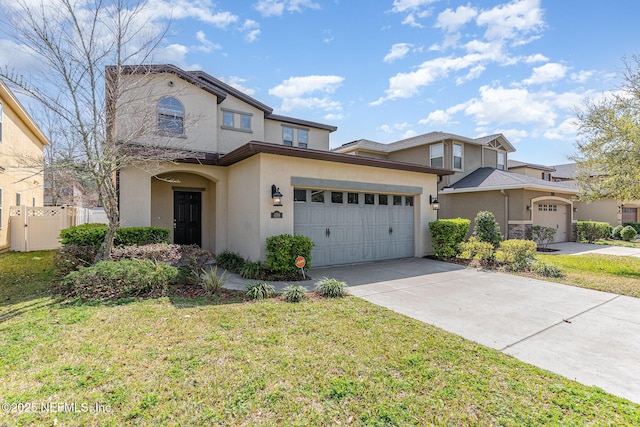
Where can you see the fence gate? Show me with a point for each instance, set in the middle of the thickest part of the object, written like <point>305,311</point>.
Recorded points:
<point>35,229</point>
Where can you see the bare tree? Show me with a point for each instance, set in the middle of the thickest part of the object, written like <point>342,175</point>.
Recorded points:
<point>83,50</point>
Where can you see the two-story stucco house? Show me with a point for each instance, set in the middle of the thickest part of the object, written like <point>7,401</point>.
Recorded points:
<point>21,153</point>
<point>481,181</point>
<point>227,197</point>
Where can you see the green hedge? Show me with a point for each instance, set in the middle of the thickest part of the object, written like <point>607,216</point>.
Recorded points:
<point>282,251</point>
<point>93,235</point>
<point>447,234</point>
<point>635,225</point>
<point>590,231</point>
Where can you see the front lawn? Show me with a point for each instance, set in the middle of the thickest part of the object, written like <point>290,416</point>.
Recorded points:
<point>608,242</point>
<point>319,362</point>
<point>609,273</point>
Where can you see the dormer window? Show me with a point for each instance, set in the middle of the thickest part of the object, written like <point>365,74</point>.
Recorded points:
<point>502,160</point>
<point>170,116</point>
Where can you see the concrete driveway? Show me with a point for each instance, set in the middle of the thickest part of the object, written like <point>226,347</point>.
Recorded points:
<point>590,336</point>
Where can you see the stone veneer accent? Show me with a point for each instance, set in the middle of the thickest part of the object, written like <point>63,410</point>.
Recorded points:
<point>520,231</point>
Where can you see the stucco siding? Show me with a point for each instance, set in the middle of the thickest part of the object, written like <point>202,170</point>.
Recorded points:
<point>603,211</point>
<point>318,138</point>
<point>230,139</point>
<point>467,205</point>
<point>419,155</point>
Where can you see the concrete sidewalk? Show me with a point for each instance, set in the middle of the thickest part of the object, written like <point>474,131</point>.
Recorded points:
<point>582,334</point>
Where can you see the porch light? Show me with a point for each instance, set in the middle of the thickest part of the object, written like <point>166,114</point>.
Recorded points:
<point>276,195</point>
<point>434,202</point>
<point>575,209</point>
<point>528,207</point>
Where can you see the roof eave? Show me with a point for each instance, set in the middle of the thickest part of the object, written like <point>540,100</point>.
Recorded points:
<point>508,187</point>
<point>15,104</point>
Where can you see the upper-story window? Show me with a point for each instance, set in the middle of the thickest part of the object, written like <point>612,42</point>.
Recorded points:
<point>457,156</point>
<point>18,199</point>
<point>0,121</point>
<point>546,176</point>
<point>170,116</point>
<point>287,136</point>
<point>236,120</point>
<point>436,155</point>
<point>502,160</point>
<point>303,138</point>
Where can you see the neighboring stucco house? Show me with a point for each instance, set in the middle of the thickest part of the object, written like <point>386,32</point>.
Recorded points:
<point>21,153</point>
<point>482,182</point>
<point>355,209</point>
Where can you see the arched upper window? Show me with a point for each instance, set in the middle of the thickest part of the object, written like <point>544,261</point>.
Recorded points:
<point>170,116</point>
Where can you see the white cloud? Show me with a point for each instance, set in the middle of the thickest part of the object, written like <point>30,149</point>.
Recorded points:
<point>385,128</point>
<point>437,118</point>
<point>581,76</point>
<point>513,135</point>
<point>201,10</point>
<point>174,54</point>
<point>206,46</point>
<point>538,57</point>
<point>400,6</point>
<point>396,127</point>
<point>566,130</point>
<point>473,74</point>
<point>546,73</point>
<point>334,116</point>
<point>296,92</point>
<point>398,51</point>
<point>252,28</point>
<point>408,134</point>
<point>452,21</point>
<point>512,20</point>
<point>238,83</point>
<point>278,7</point>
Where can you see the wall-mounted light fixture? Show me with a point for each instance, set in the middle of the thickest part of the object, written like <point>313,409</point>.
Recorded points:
<point>433,201</point>
<point>528,207</point>
<point>620,208</point>
<point>276,195</point>
<point>575,209</point>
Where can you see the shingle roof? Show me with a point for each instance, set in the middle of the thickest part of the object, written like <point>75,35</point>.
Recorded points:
<point>514,164</point>
<point>565,171</point>
<point>486,179</point>
<point>415,141</point>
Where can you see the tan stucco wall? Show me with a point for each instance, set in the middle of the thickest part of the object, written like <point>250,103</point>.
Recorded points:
<point>533,173</point>
<point>467,205</point>
<point>318,138</point>
<point>418,155</point>
<point>21,155</point>
<point>604,211</point>
<point>229,140</point>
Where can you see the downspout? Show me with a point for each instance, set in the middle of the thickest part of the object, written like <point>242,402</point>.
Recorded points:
<point>506,213</point>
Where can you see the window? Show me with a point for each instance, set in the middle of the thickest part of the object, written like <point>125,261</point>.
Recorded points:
<point>408,201</point>
<point>369,199</point>
<point>436,155</point>
<point>352,198</point>
<point>299,195</point>
<point>33,202</point>
<point>457,156</point>
<point>336,197</point>
<point>501,160</point>
<point>546,176</point>
<point>397,200</point>
<point>287,136</point>
<point>18,199</point>
<point>0,121</point>
<point>227,119</point>
<point>383,199</point>
<point>317,196</point>
<point>170,116</point>
<point>303,138</point>
<point>245,121</point>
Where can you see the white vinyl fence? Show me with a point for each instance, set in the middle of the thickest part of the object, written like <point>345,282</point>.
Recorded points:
<point>35,229</point>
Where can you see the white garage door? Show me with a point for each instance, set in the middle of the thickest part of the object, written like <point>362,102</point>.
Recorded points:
<point>555,215</point>
<point>350,227</point>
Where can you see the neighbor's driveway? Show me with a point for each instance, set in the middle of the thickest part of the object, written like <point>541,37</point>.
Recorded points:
<point>590,336</point>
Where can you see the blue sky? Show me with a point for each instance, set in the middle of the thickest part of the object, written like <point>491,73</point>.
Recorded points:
<point>387,70</point>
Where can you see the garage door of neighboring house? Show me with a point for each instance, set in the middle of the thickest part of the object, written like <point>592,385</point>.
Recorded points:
<point>629,215</point>
<point>350,227</point>
<point>555,215</point>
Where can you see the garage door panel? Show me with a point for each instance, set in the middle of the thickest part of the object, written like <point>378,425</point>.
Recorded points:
<point>554,215</point>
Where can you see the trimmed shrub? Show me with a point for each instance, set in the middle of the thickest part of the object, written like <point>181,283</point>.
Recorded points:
<point>475,249</point>
<point>546,269</point>
<point>282,251</point>
<point>590,231</point>
<point>120,279</point>
<point>635,225</point>
<point>211,282</point>
<point>93,235</point>
<point>294,293</point>
<point>615,233</point>
<point>628,233</point>
<point>331,288</point>
<point>73,257</point>
<point>251,270</point>
<point>543,235</point>
<point>517,253</point>
<point>230,261</point>
<point>259,290</point>
<point>487,229</point>
<point>447,234</point>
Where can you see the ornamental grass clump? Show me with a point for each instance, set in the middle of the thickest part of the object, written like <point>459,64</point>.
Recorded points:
<point>211,282</point>
<point>294,293</point>
<point>331,288</point>
<point>257,291</point>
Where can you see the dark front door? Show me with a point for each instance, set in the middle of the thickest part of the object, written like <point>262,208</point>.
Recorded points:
<point>187,224</point>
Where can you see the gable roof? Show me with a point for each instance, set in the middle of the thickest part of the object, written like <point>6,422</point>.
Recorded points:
<point>490,179</point>
<point>10,99</point>
<point>515,164</point>
<point>216,87</point>
<point>424,139</point>
<point>565,171</point>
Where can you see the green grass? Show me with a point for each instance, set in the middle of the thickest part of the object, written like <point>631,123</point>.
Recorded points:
<point>607,242</point>
<point>609,273</point>
<point>318,362</point>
